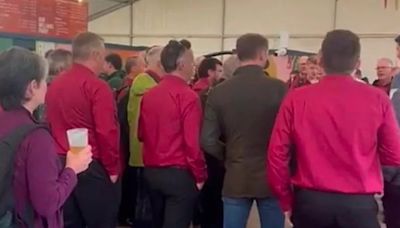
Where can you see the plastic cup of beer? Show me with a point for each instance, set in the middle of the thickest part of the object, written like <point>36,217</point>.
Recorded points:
<point>77,139</point>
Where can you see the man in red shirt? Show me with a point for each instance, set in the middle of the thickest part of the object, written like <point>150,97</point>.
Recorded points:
<point>169,127</point>
<point>210,71</point>
<point>339,133</point>
<point>79,99</point>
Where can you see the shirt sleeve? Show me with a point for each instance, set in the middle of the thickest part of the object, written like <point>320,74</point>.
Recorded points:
<point>388,136</point>
<point>48,188</point>
<point>140,123</point>
<point>191,129</point>
<point>107,129</point>
<point>139,86</point>
<point>278,156</point>
<point>211,133</point>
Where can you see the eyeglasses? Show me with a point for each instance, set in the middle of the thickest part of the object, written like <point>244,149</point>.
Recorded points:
<point>383,68</point>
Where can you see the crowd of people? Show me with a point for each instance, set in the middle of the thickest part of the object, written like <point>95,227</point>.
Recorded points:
<point>176,141</point>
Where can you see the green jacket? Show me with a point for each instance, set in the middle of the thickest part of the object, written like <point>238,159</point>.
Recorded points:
<point>142,83</point>
<point>115,80</point>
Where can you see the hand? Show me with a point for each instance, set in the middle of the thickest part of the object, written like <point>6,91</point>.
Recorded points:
<point>80,161</point>
<point>288,216</point>
<point>200,186</point>
<point>114,178</point>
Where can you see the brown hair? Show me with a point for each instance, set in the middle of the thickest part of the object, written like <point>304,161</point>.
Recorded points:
<point>84,43</point>
<point>340,51</point>
<point>59,60</point>
<point>18,68</point>
<point>248,45</point>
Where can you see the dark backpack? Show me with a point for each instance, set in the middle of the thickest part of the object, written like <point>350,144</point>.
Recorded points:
<point>9,144</point>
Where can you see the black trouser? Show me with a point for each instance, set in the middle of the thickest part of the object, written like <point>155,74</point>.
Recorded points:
<point>211,196</point>
<point>95,201</point>
<point>128,197</point>
<point>314,209</point>
<point>391,205</point>
<point>173,196</point>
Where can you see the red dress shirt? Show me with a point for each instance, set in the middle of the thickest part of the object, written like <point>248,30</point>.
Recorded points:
<point>341,132</point>
<point>79,99</point>
<point>169,127</point>
<point>201,85</point>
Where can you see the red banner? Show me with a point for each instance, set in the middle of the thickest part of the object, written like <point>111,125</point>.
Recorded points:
<point>48,18</point>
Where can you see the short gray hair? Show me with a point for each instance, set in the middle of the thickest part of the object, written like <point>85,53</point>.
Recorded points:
<point>84,43</point>
<point>153,55</point>
<point>387,60</point>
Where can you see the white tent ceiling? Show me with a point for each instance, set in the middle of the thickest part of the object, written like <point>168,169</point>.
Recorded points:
<point>98,8</point>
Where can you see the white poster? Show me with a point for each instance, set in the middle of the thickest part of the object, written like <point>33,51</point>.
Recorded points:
<point>43,47</point>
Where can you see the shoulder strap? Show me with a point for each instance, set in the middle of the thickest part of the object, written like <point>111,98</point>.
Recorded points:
<point>12,142</point>
<point>14,139</point>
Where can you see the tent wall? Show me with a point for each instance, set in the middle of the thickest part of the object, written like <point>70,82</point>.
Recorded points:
<point>213,25</point>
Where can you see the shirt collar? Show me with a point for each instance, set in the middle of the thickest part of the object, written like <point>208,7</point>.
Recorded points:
<point>203,81</point>
<point>22,111</point>
<point>153,75</point>
<point>379,84</point>
<point>249,69</point>
<point>337,78</point>
<point>80,67</point>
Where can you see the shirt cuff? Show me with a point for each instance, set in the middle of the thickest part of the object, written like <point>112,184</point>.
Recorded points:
<point>286,203</point>
<point>201,177</point>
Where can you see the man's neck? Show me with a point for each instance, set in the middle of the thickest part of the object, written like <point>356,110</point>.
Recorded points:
<point>88,65</point>
<point>178,75</point>
<point>155,70</point>
<point>385,81</point>
<point>250,63</point>
<point>133,75</point>
<point>30,107</point>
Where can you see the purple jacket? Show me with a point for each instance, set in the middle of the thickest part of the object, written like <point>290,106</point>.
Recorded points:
<point>39,178</point>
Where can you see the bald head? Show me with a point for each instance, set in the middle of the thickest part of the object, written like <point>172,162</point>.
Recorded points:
<point>153,56</point>
<point>230,66</point>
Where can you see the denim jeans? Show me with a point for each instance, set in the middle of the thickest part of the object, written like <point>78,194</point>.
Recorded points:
<point>237,210</point>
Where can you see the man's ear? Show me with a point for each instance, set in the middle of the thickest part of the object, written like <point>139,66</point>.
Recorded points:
<point>30,88</point>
